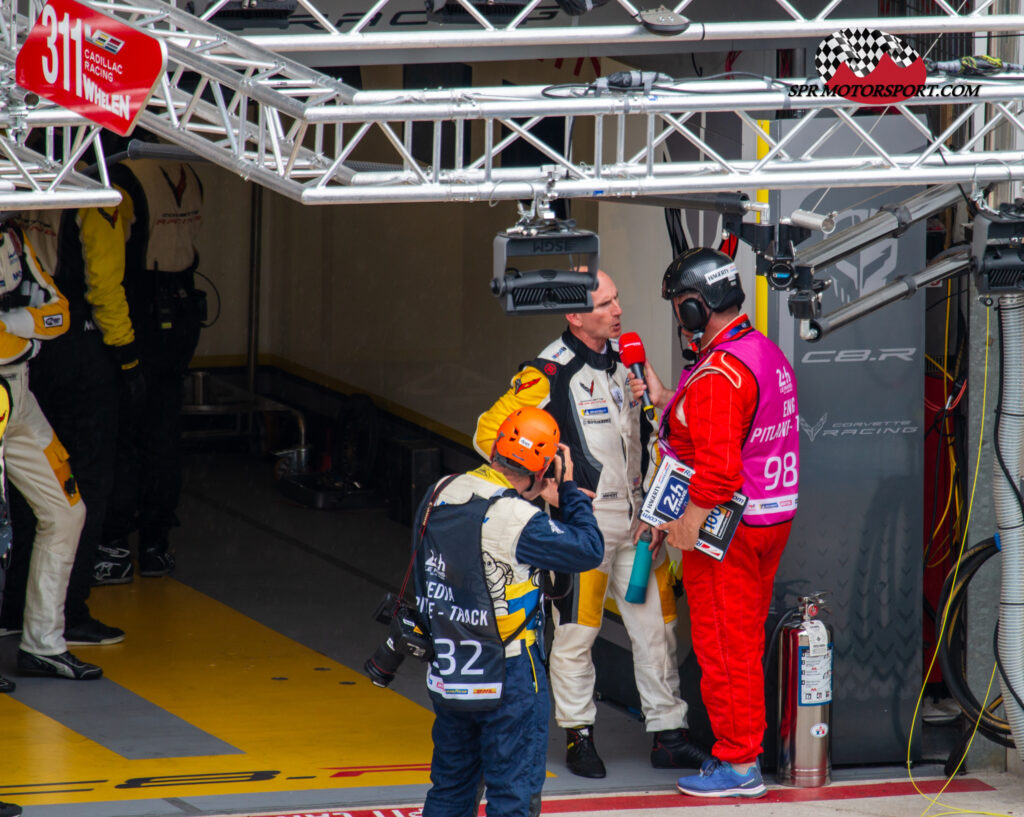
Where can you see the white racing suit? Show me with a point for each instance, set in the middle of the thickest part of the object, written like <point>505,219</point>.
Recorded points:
<point>587,394</point>
<point>33,310</point>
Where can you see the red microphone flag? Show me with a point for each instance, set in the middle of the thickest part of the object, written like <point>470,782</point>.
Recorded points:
<point>631,350</point>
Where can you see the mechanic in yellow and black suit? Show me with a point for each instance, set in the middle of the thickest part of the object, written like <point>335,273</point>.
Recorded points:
<point>162,211</point>
<point>33,310</point>
<point>581,381</point>
<point>6,809</point>
<point>76,377</point>
<point>6,685</point>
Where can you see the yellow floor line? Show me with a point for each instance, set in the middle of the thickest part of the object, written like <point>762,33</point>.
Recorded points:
<point>292,711</point>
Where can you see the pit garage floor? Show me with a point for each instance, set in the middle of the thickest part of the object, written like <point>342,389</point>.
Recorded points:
<point>238,690</point>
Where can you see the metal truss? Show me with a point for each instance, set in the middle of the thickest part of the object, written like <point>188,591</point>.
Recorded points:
<point>42,176</point>
<point>31,181</point>
<point>379,30</point>
<point>319,141</point>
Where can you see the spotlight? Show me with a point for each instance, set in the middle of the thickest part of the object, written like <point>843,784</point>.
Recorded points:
<point>544,290</point>
<point>997,247</point>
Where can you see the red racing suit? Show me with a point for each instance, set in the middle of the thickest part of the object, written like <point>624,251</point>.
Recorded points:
<point>734,408</point>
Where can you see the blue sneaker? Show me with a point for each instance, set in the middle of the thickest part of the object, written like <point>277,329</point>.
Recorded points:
<point>719,779</point>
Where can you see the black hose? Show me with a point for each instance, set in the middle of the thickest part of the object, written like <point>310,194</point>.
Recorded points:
<point>950,640</point>
<point>789,615</point>
<point>676,235</point>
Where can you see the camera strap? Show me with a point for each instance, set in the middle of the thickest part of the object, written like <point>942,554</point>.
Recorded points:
<point>438,487</point>
<point>526,621</point>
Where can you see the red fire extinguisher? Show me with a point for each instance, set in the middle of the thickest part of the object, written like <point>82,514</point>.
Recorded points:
<point>805,698</point>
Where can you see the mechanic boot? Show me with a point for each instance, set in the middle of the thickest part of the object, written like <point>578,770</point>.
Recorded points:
<point>155,560</point>
<point>673,749</point>
<point>581,754</point>
<point>113,563</point>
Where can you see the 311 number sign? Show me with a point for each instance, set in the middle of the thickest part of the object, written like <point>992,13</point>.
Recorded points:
<point>91,64</point>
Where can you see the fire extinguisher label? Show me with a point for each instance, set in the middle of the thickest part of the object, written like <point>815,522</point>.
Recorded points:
<point>815,677</point>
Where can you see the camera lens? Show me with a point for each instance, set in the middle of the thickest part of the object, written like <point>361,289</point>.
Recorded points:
<point>383,664</point>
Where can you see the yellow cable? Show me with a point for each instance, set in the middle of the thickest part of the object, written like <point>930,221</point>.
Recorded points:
<point>946,375</point>
<point>934,801</point>
<point>945,402</point>
<point>945,511</point>
<point>945,613</point>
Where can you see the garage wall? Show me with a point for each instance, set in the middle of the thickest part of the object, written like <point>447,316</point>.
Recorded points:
<point>223,245</point>
<point>393,300</point>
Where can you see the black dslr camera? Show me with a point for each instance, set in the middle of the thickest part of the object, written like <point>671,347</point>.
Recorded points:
<point>405,637</point>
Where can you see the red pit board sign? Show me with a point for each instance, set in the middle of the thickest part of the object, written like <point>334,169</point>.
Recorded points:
<point>91,64</point>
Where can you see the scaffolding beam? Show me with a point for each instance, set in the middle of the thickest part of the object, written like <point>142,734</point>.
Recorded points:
<point>389,28</point>
<point>317,140</point>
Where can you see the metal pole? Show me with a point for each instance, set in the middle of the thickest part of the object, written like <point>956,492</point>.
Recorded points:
<point>255,263</point>
<point>902,287</point>
<point>890,221</point>
<point>615,35</point>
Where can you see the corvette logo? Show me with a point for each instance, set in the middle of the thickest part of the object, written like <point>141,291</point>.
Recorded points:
<point>518,385</point>
<point>177,189</point>
<point>815,430</point>
<point>588,389</point>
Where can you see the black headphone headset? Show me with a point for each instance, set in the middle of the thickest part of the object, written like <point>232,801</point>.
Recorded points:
<point>692,314</point>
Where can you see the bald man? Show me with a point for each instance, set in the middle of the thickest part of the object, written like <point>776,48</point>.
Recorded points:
<point>581,381</point>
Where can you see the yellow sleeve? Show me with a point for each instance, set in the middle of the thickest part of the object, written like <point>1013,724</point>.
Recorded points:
<point>5,416</point>
<point>127,210</point>
<point>46,315</point>
<point>11,346</point>
<point>102,235</point>
<point>529,387</point>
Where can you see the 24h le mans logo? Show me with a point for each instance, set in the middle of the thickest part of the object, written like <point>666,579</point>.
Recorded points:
<point>870,66</point>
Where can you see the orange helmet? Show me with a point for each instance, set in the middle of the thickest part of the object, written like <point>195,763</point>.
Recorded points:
<point>527,441</point>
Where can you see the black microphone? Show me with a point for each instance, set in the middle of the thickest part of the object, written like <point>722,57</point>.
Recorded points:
<point>633,356</point>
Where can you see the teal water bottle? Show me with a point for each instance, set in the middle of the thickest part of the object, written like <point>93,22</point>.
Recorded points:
<point>636,592</point>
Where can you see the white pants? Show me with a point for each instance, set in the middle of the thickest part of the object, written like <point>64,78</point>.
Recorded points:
<point>653,637</point>
<point>37,465</point>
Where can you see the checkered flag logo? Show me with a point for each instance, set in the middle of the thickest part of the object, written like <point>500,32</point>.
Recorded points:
<point>861,49</point>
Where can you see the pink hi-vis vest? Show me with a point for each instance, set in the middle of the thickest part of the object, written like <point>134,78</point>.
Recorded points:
<point>771,451</point>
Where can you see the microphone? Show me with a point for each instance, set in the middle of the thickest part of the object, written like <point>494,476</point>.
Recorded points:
<point>633,356</point>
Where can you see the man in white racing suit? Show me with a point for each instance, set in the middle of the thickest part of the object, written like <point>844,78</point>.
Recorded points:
<point>33,310</point>
<point>580,380</point>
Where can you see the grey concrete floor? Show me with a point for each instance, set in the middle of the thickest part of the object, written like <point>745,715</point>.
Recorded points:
<point>316,577</point>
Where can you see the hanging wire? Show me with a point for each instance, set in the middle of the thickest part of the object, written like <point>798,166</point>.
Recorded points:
<point>934,801</point>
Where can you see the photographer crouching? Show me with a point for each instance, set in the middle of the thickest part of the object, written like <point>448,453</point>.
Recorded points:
<point>479,548</point>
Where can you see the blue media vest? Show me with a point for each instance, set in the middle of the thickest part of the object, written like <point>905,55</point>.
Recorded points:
<point>468,669</point>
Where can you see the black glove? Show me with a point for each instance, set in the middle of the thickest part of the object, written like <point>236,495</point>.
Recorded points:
<point>133,381</point>
<point>133,387</point>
